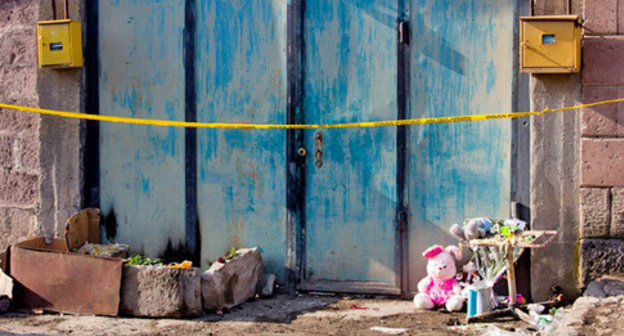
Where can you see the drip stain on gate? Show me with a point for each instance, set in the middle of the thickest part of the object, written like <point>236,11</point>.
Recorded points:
<point>109,222</point>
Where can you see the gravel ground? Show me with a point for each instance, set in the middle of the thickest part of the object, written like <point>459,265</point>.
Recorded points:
<point>600,312</point>
<point>303,315</point>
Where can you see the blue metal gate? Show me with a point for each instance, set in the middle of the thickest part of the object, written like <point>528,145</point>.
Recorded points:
<point>339,209</point>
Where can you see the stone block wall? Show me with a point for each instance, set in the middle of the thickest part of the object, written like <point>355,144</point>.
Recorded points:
<point>19,132</point>
<point>602,140</point>
<point>40,157</point>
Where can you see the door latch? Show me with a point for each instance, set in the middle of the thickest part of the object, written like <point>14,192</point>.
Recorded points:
<point>318,149</point>
<point>404,32</point>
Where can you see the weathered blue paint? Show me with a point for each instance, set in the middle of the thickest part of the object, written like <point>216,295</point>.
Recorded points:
<point>241,76</point>
<point>461,64</point>
<point>350,75</point>
<point>142,75</point>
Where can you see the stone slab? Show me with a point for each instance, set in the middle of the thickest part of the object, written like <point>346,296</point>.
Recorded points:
<point>595,212</point>
<point>603,120</point>
<point>226,285</point>
<point>159,291</point>
<point>617,212</point>
<point>620,17</point>
<point>600,17</point>
<point>600,257</point>
<point>600,57</point>
<point>602,162</point>
<point>18,187</point>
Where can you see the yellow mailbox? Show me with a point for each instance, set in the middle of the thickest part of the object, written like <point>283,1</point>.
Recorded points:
<point>550,44</point>
<point>60,43</point>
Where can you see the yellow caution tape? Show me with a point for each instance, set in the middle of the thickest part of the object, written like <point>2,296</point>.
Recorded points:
<point>402,122</point>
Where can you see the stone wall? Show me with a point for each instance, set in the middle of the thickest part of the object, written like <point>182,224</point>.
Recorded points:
<point>40,157</point>
<point>19,132</point>
<point>602,142</point>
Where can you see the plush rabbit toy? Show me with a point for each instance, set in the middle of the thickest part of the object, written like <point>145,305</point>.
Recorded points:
<point>440,287</point>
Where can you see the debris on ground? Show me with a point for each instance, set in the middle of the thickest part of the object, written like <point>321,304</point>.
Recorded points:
<point>266,285</point>
<point>229,284</point>
<point>389,331</point>
<point>6,291</point>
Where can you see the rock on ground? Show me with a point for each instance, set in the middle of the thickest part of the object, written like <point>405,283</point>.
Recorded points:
<point>226,285</point>
<point>158,291</point>
<point>599,312</point>
<point>266,285</point>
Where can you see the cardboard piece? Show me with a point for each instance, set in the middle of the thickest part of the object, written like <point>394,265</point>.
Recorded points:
<point>83,227</point>
<point>48,277</point>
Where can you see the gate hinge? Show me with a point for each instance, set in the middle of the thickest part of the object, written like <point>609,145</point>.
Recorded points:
<point>404,32</point>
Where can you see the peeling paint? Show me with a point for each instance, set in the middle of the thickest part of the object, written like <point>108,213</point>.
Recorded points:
<point>351,74</point>
<point>242,78</point>
<point>461,65</point>
<point>142,168</point>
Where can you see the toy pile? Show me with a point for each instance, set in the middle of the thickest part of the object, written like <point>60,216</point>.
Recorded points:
<point>490,260</point>
<point>445,287</point>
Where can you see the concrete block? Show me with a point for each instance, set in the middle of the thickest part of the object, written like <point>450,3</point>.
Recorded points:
<point>601,257</point>
<point>600,17</point>
<point>18,12</point>
<point>600,55</point>
<point>602,162</point>
<point>18,188</point>
<point>594,212</point>
<point>617,212</point>
<point>6,151</point>
<point>17,121</point>
<point>603,120</point>
<point>18,83</point>
<point>18,46</point>
<point>226,285</point>
<point>15,225</point>
<point>159,291</point>
<point>620,17</point>
<point>28,152</point>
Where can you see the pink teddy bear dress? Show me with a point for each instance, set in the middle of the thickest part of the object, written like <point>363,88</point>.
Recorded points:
<point>440,291</point>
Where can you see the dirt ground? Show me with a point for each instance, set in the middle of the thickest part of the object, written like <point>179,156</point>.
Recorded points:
<point>302,315</point>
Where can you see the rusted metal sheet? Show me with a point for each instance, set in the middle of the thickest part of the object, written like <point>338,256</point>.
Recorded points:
<point>66,282</point>
<point>461,64</point>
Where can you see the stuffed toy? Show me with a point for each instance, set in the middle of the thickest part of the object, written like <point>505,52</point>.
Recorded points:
<point>440,287</point>
<point>473,228</point>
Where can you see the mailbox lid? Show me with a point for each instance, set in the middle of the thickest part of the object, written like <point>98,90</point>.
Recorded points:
<point>550,43</point>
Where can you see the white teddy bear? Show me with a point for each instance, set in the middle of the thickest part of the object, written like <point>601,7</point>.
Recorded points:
<point>440,287</point>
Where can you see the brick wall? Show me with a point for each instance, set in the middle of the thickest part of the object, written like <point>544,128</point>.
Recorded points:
<point>19,132</point>
<point>602,141</point>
